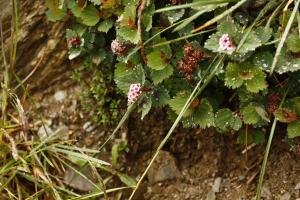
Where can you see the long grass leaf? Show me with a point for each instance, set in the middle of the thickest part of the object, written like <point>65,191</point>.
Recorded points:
<point>221,16</point>
<point>284,36</point>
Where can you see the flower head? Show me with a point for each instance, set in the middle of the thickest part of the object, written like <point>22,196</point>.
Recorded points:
<point>134,93</point>
<point>118,47</point>
<point>226,44</point>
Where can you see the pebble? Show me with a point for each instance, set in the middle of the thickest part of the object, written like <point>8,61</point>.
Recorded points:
<point>297,187</point>
<point>211,196</point>
<point>217,184</point>
<point>265,192</point>
<point>286,196</point>
<point>164,168</point>
<point>60,95</point>
<point>44,131</point>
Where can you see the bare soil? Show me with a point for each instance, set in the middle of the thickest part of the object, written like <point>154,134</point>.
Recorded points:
<point>201,156</point>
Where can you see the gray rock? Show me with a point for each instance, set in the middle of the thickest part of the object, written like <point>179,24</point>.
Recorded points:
<point>297,187</point>
<point>217,184</point>
<point>60,95</point>
<point>286,196</point>
<point>88,127</point>
<point>44,131</point>
<point>211,196</point>
<point>265,192</point>
<point>164,168</point>
<point>77,182</point>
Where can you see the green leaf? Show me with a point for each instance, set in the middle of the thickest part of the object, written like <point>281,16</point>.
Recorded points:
<point>264,34</point>
<point>129,34</point>
<point>125,76</point>
<point>293,129</point>
<point>105,25</point>
<point>178,102</point>
<point>90,16</point>
<point>55,15</point>
<point>250,114</point>
<point>146,106</point>
<point>158,59</point>
<point>263,60</point>
<point>159,75</point>
<point>129,16</point>
<point>232,78</point>
<point>127,180</point>
<point>293,42</point>
<point>225,119</point>
<point>252,76</point>
<point>204,116</point>
<point>251,43</point>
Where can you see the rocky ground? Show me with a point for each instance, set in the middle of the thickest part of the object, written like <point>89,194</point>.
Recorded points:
<point>195,164</point>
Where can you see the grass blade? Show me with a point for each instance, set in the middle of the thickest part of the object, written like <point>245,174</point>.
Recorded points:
<point>219,17</point>
<point>284,36</point>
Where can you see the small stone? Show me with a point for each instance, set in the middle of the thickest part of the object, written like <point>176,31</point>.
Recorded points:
<point>297,187</point>
<point>211,196</point>
<point>87,126</point>
<point>44,131</point>
<point>217,184</point>
<point>164,168</point>
<point>265,192</point>
<point>76,181</point>
<point>60,95</point>
<point>286,196</point>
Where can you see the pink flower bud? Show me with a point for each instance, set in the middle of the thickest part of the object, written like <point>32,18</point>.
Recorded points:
<point>226,44</point>
<point>134,93</point>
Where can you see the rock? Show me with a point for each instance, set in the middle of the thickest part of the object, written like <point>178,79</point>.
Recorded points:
<point>60,95</point>
<point>217,184</point>
<point>265,192</point>
<point>44,131</point>
<point>297,187</point>
<point>87,126</point>
<point>77,182</point>
<point>286,196</point>
<point>211,196</point>
<point>164,168</point>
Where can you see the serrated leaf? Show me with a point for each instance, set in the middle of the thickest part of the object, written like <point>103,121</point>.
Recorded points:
<point>252,76</point>
<point>158,58</point>
<point>129,34</point>
<point>204,116</point>
<point>262,113</point>
<point>257,83</point>
<point>159,75</point>
<point>293,129</point>
<point>178,102</point>
<point>250,114</point>
<point>225,119</point>
<point>105,25</point>
<point>146,106</point>
<point>264,34</point>
<point>293,42</point>
<point>129,16</point>
<point>232,78</point>
<point>174,15</point>
<point>263,60</point>
<point>251,43</point>
<point>125,76</point>
<point>55,15</point>
<point>90,16</point>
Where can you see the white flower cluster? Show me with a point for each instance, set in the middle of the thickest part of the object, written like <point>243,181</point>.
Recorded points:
<point>226,44</point>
